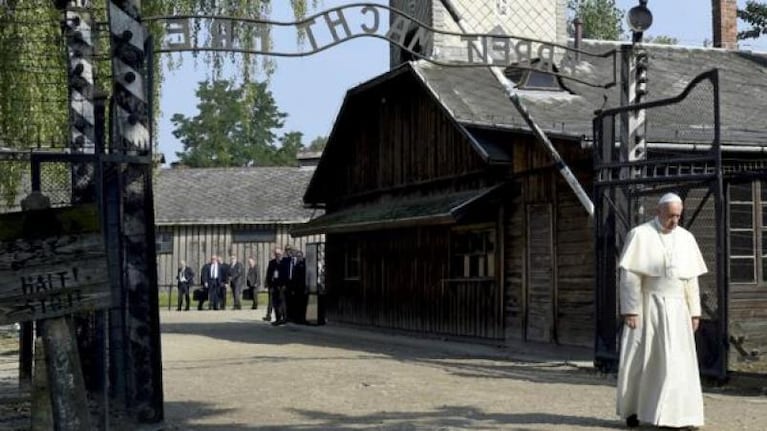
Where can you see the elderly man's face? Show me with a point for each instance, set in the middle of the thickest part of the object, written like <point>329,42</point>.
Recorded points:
<point>669,215</point>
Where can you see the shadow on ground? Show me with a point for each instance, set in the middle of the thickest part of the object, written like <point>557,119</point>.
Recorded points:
<point>443,419</point>
<point>460,359</point>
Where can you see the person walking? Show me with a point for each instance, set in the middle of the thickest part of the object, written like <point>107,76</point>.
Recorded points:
<point>212,276</point>
<point>184,280</point>
<point>236,281</point>
<point>224,282</point>
<point>273,282</point>
<point>658,377</point>
<point>253,280</point>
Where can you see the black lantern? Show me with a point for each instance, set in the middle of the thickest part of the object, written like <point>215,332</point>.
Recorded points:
<point>639,19</point>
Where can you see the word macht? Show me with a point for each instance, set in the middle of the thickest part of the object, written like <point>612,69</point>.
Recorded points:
<point>334,26</point>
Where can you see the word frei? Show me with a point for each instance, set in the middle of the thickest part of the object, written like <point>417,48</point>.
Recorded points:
<point>253,36</point>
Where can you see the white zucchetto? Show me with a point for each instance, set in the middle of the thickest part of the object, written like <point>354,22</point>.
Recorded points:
<point>668,198</point>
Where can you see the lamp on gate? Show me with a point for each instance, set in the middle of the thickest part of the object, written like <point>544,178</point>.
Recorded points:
<point>639,19</point>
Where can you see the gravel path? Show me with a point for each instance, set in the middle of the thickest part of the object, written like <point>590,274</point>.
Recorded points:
<point>229,370</point>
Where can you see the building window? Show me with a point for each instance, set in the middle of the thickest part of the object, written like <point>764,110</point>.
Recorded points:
<point>472,253</point>
<point>748,232</point>
<point>352,260</point>
<point>527,77</point>
<point>164,242</point>
<point>254,234</point>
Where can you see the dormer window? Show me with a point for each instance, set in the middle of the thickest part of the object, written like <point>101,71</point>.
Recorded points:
<point>533,79</point>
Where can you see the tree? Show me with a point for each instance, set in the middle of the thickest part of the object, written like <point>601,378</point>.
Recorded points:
<point>602,19</point>
<point>33,71</point>
<point>290,145</point>
<point>235,126</point>
<point>318,143</point>
<point>755,14</point>
<point>661,40</point>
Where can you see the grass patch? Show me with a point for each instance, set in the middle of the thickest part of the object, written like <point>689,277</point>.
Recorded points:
<point>164,297</point>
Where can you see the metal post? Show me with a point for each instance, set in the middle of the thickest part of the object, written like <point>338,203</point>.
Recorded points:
<point>76,26</point>
<point>131,135</point>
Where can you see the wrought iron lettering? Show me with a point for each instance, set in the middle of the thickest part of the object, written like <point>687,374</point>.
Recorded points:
<point>334,26</point>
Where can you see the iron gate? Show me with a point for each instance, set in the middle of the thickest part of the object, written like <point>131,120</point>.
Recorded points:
<point>685,157</point>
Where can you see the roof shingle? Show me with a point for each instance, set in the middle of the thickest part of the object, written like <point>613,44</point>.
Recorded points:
<point>231,195</point>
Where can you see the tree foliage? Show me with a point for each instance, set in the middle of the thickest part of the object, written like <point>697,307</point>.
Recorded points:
<point>601,19</point>
<point>235,126</point>
<point>661,40</point>
<point>755,14</point>
<point>33,71</point>
<point>318,143</point>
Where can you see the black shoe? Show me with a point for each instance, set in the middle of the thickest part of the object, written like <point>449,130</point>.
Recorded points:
<point>178,309</point>
<point>267,318</point>
<point>632,421</point>
<point>276,322</point>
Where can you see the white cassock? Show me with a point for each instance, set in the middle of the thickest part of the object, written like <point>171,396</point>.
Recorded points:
<point>658,378</point>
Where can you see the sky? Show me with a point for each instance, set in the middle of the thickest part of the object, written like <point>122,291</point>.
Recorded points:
<point>311,89</point>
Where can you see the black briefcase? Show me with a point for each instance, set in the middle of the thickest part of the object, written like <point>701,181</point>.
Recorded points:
<point>200,294</point>
<point>247,294</point>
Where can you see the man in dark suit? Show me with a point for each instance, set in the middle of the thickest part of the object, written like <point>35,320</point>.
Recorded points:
<point>300,292</point>
<point>236,280</point>
<point>287,274</point>
<point>225,276</point>
<point>212,276</point>
<point>185,277</point>
<point>254,281</point>
<point>275,285</point>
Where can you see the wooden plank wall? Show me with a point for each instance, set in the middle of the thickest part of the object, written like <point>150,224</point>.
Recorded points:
<point>540,273</point>
<point>195,245</point>
<point>398,136</point>
<point>404,285</point>
<point>514,268</point>
<point>747,302</point>
<point>571,286</point>
<point>575,267</point>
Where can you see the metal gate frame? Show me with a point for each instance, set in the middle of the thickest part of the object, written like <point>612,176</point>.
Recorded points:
<point>618,187</point>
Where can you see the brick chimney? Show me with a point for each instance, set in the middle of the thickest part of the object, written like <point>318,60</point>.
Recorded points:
<point>725,17</point>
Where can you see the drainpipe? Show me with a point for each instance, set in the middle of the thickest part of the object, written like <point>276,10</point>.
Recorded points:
<point>541,137</point>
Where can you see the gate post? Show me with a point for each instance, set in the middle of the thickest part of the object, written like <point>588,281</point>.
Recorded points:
<point>76,26</point>
<point>131,137</point>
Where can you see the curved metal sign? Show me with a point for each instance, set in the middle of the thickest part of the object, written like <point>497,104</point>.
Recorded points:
<point>340,24</point>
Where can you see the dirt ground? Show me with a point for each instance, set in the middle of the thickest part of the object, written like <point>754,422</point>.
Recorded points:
<point>228,370</point>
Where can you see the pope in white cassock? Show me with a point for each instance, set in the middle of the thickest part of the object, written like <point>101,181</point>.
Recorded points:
<point>658,380</point>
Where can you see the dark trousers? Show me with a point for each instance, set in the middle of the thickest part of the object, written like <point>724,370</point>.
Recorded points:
<point>214,296</point>
<point>183,293</point>
<point>255,298</point>
<point>202,298</point>
<point>302,300</point>
<point>237,294</point>
<point>269,301</point>
<point>280,306</point>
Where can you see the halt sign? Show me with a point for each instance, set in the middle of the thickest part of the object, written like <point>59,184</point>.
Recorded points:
<point>52,263</point>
